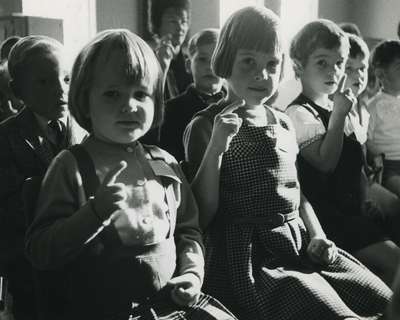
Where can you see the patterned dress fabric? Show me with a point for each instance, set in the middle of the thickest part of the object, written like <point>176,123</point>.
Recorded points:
<point>259,268</point>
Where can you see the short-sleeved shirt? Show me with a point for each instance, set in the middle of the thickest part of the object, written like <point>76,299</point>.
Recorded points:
<point>384,126</point>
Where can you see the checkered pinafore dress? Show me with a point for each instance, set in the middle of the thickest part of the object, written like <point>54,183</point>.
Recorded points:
<point>255,263</point>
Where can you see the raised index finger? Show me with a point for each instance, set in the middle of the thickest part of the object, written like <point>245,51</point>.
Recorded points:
<point>232,107</point>
<point>112,175</point>
<point>342,82</point>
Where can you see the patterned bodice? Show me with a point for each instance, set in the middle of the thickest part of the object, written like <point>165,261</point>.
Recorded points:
<point>258,173</point>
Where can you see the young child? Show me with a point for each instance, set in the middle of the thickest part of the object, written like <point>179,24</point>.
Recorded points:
<point>117,247</point>
<point>169,23</point>
<point>267,255</point>
<point>377,201</point>
<point>9,104</point>
<point>384,109</point>
<point>206,89</point>
<point>40,78</point>
<point>6,46</point>
<point>331,156</point>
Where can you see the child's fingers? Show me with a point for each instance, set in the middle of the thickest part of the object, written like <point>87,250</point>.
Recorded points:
<point>342,82</point>
<point>112,175</point>
<point>232,107</point>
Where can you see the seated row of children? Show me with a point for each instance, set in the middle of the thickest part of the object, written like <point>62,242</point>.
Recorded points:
<point>116,220</point>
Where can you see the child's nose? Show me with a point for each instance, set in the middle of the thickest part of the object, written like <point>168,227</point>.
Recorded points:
<point>262,75</point>
<point>131,106</point>
<point>61,86</point>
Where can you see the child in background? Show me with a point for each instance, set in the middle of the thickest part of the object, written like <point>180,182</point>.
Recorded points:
<point>331,158</point>
<point>384,109</point>
<point>169,23</point>
<point>378,202</point>
<point>267,255</point>
<point>9,104</point>
<point>118,247</point>
<point>28,143</point>
<point>206,89</point>
<point>6,46</point>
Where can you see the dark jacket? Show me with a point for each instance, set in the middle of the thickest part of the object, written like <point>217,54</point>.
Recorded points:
<point>178,113</point>
<point>25,152</point>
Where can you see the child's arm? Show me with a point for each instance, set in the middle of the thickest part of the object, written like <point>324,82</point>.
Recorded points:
<point>320,249</point>
<point>189,246</point>
<point>324,153</point>
<point>64,221</point>
<point>205,185</point>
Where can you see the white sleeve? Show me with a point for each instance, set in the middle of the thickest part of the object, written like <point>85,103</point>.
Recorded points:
<point>308,126</point>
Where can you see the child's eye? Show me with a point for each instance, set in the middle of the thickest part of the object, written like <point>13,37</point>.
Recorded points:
<point>339,63</point>
<point>249,61</point>
<point>113,94</point>
<point>272,66</point>
<point>322,63</point>
<point>141,95</point>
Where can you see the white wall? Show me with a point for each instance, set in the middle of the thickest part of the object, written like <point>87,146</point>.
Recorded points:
<point>118,14</point>
<point>206,15</point>
<point>377,18</point>
<point>336,10</point>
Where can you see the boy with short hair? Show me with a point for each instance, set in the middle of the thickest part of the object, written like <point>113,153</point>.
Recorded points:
<point>384,109</point>
<point>28,142</point>
<point>206,89</point>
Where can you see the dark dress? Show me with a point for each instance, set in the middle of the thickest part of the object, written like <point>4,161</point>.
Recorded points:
<point>336,196</point>
<point>256,261</point>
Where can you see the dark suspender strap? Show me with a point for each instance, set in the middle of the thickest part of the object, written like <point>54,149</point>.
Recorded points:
<point>155,155</point>
<point>86,168</point>
<point>91,182</point>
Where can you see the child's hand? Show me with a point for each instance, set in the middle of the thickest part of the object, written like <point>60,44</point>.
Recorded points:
<point>110,196</point>
<point>166,51</point>
<point>343,99</point>
<point>226,126</point>
<point>186,289</point>
<point>322,251</point>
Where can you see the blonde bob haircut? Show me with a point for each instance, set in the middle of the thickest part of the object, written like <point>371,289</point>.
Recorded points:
<point>141,65</point>
<point>251,28</point>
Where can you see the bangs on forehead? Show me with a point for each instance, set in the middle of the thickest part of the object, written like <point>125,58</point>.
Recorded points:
<point>136,67</point>
<point>257,32</point>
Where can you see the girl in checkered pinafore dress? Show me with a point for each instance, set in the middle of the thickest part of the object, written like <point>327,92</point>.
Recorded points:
<point>267,255</point>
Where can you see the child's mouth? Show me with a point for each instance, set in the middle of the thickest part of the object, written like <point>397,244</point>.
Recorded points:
<point>128,123</point>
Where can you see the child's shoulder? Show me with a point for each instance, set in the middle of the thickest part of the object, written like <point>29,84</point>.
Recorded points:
<point>211,111</point>
<point>156,153</point>
<point>282,118</point>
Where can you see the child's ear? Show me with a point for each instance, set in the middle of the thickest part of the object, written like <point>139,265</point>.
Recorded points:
<point>379,73</point>
<point>16,89</point>
<point>188,65</point>
<point>297,67</point>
